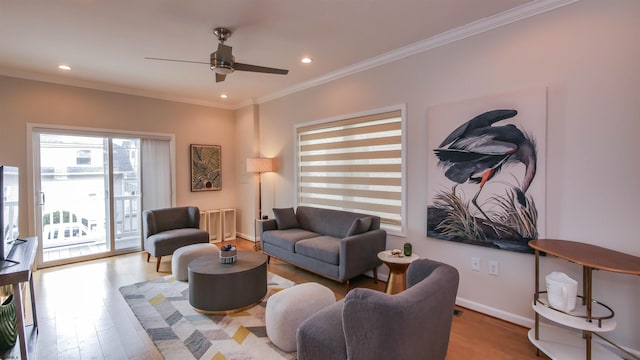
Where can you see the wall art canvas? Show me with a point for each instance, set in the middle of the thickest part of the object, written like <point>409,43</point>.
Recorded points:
<point>486,170</point>
<point>206,168</point>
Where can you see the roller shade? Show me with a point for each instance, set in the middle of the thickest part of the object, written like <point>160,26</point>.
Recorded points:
<point>355,165</point>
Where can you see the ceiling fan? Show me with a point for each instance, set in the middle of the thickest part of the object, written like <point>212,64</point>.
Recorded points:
<point>222,60</point>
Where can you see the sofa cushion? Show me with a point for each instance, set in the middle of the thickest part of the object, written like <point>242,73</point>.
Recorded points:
<point>359,226</point>
<point>286,239</point>
<point>322,248</point>
<point>166,242</point>
<point>285,218</point>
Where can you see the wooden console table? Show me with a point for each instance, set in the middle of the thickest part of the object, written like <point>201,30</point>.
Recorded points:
<point>24,252</point>
<point>592,317</point>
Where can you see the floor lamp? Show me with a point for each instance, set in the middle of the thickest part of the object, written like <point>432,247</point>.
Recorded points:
<point>259,165</point>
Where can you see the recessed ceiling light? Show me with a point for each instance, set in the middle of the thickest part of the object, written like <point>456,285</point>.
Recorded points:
<point>223,96</point>
<point>306,60</point>
<point>64,67</point>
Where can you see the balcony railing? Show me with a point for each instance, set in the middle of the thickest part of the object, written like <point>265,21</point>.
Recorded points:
<point>126,210</point>
<point>66,228</point>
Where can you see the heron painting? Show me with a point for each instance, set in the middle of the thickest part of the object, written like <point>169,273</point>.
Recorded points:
<point>485,168</point>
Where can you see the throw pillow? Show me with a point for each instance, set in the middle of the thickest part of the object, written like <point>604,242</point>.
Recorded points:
<point>285,218</point>
<point>359,226</point>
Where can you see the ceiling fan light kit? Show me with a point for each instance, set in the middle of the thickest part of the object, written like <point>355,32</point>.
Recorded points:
<point>222,61</point>
<point>222,70</point>
<point>220,67</point>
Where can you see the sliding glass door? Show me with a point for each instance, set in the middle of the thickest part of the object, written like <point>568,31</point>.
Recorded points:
<point>89,195</point>
<point>126,193</point>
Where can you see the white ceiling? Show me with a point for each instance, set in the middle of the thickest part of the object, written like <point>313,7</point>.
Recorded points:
<point>105,41</point>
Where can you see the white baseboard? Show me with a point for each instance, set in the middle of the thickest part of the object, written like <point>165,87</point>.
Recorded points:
<point>481,308</point>
<point>245,236</point>
<point>382,276</point>
<point>497,313</point>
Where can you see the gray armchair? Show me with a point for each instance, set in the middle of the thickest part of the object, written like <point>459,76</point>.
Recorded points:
<point>368,324</point>
<point>166,230</point>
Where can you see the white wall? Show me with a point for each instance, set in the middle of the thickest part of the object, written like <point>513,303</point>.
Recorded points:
<point>246,138</point>
<point>26,101</point>
<point>587,55</point>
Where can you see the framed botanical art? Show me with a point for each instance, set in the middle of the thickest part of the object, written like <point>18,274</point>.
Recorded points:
<point>206,168</point>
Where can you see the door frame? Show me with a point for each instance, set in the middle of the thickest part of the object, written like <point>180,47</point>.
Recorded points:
<point>33,196</point>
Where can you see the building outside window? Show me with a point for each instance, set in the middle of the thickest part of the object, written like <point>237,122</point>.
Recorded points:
<point>83,157</point>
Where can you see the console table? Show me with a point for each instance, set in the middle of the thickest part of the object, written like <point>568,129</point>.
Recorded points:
<point>591,317</point>
<point>24,253</point>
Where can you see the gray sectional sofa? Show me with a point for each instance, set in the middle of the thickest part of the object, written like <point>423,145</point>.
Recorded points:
<point>336,244</point>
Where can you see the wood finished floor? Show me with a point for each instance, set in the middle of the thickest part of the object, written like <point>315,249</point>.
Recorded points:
<point>81,314</point>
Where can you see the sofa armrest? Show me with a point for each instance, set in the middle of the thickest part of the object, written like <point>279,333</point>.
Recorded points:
<point>148,223</point>
<point>194,217</point>
<point>359,253</point>
<point>266,225</point>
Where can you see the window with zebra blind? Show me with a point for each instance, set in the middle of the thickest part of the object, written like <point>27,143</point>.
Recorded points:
<point>355,163</point>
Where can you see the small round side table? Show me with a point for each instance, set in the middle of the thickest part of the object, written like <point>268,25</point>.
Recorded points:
<point>397,270</point>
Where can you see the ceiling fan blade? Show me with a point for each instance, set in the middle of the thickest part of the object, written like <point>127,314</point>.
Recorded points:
<point>174,60</point>
<point>220,77</point>
<point>256,68</point>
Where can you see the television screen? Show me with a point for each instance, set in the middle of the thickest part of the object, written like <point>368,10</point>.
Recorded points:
<point>9,187</point>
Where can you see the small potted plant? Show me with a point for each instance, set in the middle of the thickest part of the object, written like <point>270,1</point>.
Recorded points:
<point>8,330</point>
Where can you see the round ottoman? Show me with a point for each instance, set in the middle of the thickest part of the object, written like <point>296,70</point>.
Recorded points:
<point>183,256</point>
<point>288,308</point>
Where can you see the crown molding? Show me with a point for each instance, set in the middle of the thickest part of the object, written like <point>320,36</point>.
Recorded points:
<point>474,28</point>
<point>524,11</point>
<point>244,103</point>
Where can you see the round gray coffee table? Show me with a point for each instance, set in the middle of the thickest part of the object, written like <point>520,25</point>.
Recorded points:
<point>216,287</point>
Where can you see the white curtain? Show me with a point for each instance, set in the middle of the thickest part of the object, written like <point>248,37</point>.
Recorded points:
<point>156,173</point>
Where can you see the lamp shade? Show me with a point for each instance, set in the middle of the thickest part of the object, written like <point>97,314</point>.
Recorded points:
<point>259,165</point>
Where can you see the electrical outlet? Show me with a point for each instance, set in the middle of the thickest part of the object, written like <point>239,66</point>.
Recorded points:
<point>494,268</point>
<point>475,263</point>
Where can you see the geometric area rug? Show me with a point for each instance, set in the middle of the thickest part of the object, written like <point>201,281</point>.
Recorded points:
<point>179,332</point>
